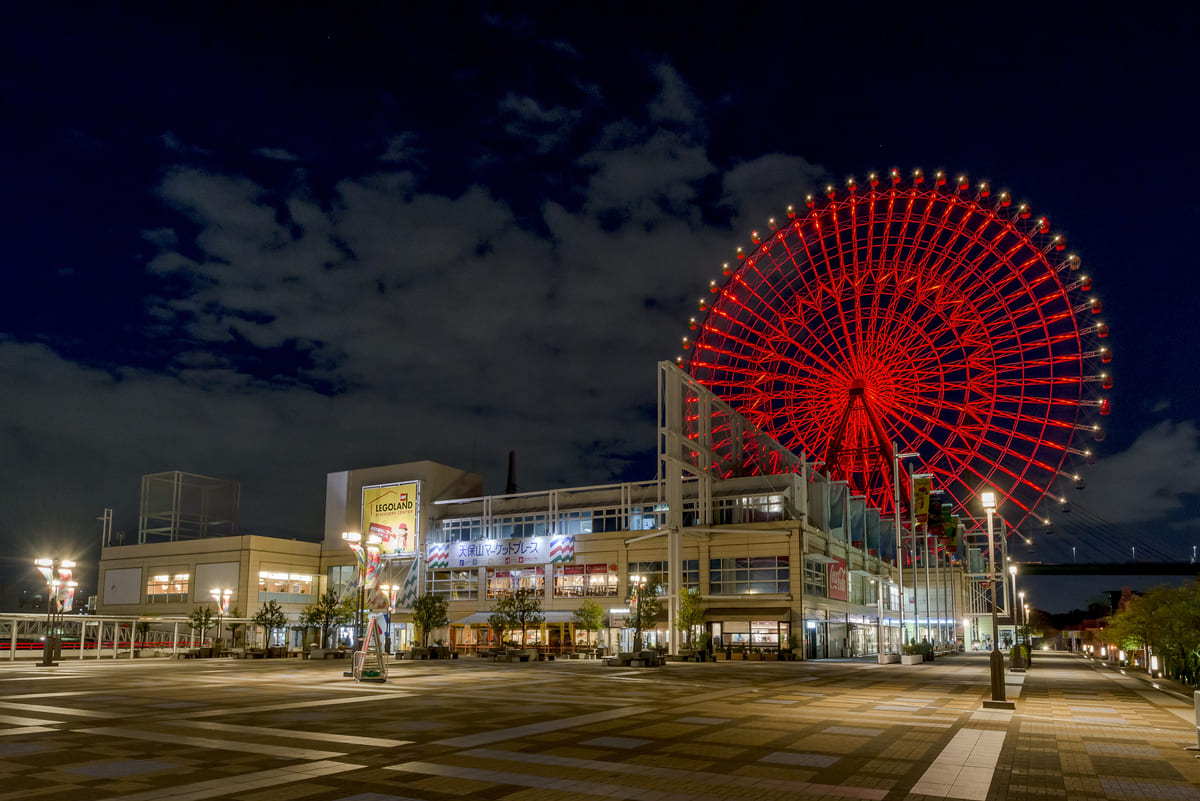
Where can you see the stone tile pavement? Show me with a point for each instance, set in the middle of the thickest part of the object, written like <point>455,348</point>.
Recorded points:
<point>147,730</point>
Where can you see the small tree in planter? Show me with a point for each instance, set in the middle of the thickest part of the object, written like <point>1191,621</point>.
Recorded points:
<point>690,614</point>
<point>429,613</point>
<point>647,605</point>
<point>327,614</point>
<point>522,610</point>
<point>588,617</point>
<point>272,618</point>
<point>499,623</point>
<point>201,618</point>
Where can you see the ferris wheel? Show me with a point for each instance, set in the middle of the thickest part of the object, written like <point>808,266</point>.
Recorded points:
<point>929,313</point>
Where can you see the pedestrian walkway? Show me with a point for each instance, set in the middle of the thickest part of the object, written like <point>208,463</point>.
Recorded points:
<point>261,731</point>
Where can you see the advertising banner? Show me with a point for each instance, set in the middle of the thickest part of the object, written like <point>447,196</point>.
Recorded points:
<point>839,580</point>
<point>921,485</point>
<point>490,553</point>
<point>390,513</point>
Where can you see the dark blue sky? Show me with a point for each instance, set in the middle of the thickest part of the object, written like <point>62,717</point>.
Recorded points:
<point>269,241</point>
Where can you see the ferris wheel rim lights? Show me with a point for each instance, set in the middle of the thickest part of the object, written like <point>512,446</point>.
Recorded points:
<point>1018,228</point>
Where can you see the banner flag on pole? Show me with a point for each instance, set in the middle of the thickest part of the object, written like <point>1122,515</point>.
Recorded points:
<point>408,590</point>
<point>921,486</point>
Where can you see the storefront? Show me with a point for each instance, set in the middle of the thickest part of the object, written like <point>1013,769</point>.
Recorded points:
<point>765,629</point>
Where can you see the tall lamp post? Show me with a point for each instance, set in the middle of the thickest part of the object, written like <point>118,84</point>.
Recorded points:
<point>354,540</point>
<point>58,575</point>
<point>899,528</point>
<point>1019,658</point>
<point>365,555</point>
<point>391,592</point>
<point>988,499</point>
<point>221,596</point>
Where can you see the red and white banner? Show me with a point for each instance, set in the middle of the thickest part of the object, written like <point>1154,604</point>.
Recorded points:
<point>839,580</point>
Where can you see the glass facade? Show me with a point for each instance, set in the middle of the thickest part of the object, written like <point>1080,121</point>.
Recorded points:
<point>168,588</point>
<point>742,575</point>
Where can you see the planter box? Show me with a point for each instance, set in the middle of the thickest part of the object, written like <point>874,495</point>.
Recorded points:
<point>889,659</point>
<point>912,659</point>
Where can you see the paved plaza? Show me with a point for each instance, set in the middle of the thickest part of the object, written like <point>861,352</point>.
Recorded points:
<point>288,729</point>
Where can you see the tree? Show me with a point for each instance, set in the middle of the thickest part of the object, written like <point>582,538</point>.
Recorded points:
<point>201,618</point>
<point>272,618</point>
<point>429,613</point>
<point>234,627</point>
<point>328,613</point>
<point>589,617</point>
<point>647,604</point>
<point>690,614</point>
<point>1167,621</point>
<point>521,610</point>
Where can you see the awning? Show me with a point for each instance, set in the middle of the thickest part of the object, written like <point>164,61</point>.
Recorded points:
<point>481,618</point>
<point>822,558</point>
<point>719,613</point>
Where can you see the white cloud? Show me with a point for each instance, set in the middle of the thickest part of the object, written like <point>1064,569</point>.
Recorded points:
<point>1156,477</point>
<point>276,154</point>
<point>547,128</point>
<point>401,149</point>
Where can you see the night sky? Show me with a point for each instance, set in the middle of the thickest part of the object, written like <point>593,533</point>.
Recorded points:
<point>269,241</point>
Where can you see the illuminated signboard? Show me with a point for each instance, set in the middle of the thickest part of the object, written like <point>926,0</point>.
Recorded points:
<point>390,513</point>
<point>839,580</point>
<point>490,553</point>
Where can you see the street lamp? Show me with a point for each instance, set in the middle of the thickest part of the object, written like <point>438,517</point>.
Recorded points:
<point>58,575</point>
<point>899,543</point>
<point>364,555</point>
<point>988,499</point>
<point>222,598</point>
<point>1023,608</point>
<point>354,540</point>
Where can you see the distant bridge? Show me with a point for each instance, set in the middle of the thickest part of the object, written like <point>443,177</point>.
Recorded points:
<point>1109,569</point>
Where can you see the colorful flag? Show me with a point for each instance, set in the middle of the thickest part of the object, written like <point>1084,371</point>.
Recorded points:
<point>408,590</point>
<point>921,486</point>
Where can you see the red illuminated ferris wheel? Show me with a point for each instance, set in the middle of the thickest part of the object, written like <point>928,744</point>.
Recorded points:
<point>928,313</point>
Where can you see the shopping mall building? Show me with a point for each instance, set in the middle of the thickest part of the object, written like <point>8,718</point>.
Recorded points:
<point>779,554</point>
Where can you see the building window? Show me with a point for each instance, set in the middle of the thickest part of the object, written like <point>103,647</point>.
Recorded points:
<point>454,585</point>
<point>575,522</point>
<point>342,578</point>
<point>287,583</point>
<point>168,588</point>
<point>517,526</point>
<point>814,578</point>
<point>646,518</point>
<point>578,581</point>
<point>502,583</point>
<point>689,573</point>
<point>743,575</point>
<point>463,529</point>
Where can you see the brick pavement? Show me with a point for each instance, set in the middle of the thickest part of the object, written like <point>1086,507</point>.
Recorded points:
<point>287,729</point>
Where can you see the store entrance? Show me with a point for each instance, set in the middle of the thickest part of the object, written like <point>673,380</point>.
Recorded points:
<point>816,645</point>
